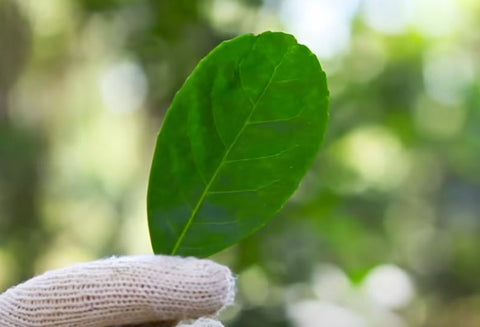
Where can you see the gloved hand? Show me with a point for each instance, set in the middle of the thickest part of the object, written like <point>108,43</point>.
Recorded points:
<point>146,290</point>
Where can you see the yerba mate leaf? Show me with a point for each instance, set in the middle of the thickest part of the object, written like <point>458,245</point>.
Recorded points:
<point>239,136</point>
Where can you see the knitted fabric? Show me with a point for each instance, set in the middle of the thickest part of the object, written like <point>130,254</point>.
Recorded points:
<point>120,291</point>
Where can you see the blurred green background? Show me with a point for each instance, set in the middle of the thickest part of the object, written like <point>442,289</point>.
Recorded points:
<point>384,230</point>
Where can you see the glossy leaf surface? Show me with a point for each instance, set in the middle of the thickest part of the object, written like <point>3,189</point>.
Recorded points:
<point>237,140</point>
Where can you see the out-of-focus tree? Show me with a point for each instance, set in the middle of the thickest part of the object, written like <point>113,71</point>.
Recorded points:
<point>21,152</point>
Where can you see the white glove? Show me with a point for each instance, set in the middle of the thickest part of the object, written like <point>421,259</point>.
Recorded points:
<point>134,290</point>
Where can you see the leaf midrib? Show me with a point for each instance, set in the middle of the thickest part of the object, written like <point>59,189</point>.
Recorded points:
<point>227,152</point>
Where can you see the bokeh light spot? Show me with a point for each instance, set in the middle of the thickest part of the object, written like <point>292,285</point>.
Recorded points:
<point>376,156</point>
<point>438,121</point>
<point>319,313</point>
<point>254,285</point>
<point>447,73</point>
<point>388,16</point>
<point>389,286</point>
<point>123,86</point>
<point>322,25</point>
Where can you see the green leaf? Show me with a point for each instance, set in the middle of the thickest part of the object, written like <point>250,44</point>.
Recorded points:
<point>239,136</point>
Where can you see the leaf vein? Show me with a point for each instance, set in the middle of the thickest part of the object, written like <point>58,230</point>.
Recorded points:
<point>245,190</point>
<point>274,155</point>
<point>258,122</point>
<point>219,223</point>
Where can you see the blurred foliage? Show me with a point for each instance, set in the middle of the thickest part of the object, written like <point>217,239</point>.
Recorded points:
<point>382,232</point>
